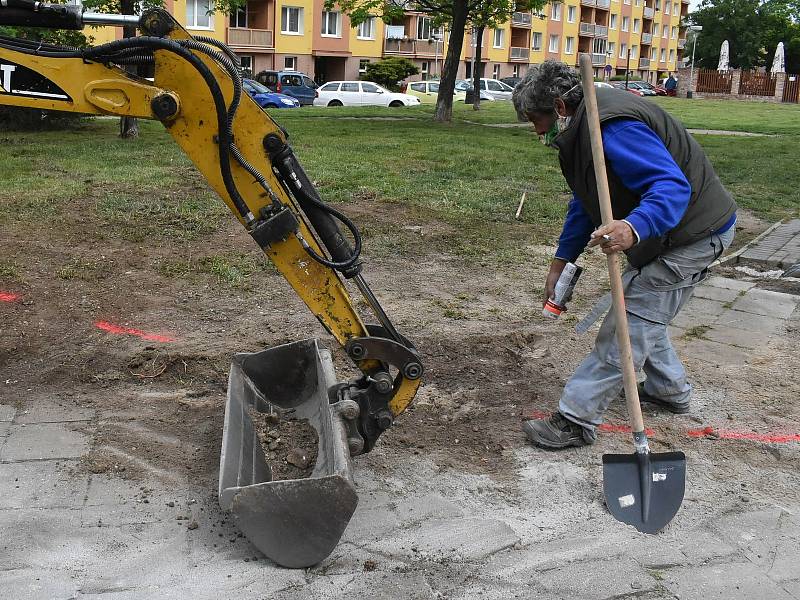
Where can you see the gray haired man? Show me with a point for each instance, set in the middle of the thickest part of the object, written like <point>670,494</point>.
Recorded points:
<point>673,218</point>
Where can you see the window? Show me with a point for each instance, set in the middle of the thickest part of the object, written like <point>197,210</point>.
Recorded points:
<point>674,33</point>
<point>371,88</point>
<point>612,48</point>
<point>658,4</point>
<point>424,70</point>
<point>553,43</point>
<point>493,86</point>
<point>495,74</point>
<point>330,23</point>
<point>417,87</point>
<point>239,18</point>
<point>634,51</point>
<point>247,66</point>
<point>555,12</point>
<point>663,55</point>
<point>292,80</point>
<point>197,14</point>
<point>468,74</point>
<point>653,53</point>
<point>352,86</point>
<point>672,55</point>
<point>666,32</point>
<point>515,71</point>
<point>536,42</point>
<point>329,87</point>
<point>366,30</point>
<point>626,23</point>
<point>628,2</point>
<point>636,23</point>
<point>623,50</point>
<point>571,10</point>
<point>613,24</point>
<point>424,29</point>
<point>655,30</point>
<point>290,63</point>
<point>292,20</point>
<point>498,38</point>
<point>638,3</point>
<point>433,88</point>
<point>599,46</point>
<point>569,45</point>
<point>667,8</point>
<point>362,66</point>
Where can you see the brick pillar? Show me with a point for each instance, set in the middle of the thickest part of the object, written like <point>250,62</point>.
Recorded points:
<point>683,81</point>
<point>736,78</point>
<point>780,83</point>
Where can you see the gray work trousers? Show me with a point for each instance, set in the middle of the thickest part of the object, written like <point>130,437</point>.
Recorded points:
<point>654,295</point>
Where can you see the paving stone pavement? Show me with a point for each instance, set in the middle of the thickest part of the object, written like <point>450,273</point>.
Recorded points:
<point>420,531</point>
<point>780,248</point>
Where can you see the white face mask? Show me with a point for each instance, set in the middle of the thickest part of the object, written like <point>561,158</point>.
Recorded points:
<point>562,123</point>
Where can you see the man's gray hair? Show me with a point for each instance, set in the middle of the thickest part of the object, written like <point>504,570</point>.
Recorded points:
<point>538,91</point>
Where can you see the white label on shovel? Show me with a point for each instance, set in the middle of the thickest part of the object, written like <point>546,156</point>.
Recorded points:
<point>626,501</point>
<point>659,476</point>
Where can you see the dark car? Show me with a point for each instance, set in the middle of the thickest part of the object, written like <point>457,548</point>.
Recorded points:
<point>511,81</point>
<point>294,84</point>
<point>644,87</point>
<point>266,98</point>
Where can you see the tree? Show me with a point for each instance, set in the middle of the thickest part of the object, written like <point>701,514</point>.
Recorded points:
<point>389,71</point>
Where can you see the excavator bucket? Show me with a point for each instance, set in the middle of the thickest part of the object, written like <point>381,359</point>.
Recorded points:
<point>294,522</point>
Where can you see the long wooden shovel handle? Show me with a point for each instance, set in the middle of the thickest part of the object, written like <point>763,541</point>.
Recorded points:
<point>617,292</point>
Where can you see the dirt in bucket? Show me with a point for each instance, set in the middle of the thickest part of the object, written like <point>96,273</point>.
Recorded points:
<point>289,444</point>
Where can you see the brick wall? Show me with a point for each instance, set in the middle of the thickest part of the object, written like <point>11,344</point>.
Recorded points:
<point>684,86</point>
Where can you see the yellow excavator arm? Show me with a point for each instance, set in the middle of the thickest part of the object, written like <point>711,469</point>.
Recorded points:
<point>197,94</point>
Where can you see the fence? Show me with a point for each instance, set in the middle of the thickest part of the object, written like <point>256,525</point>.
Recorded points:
<point>791,89</point>
<point>713,82</point>
<point>753,83</point>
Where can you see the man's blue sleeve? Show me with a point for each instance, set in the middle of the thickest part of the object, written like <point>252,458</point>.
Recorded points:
<point>645,166</point>
<point>575,234</point>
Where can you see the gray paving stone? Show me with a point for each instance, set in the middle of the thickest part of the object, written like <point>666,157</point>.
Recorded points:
<point>415,510</point>
<point>751,322</point>
<point>372,585</point>
<point>714,352</point>
<point>42,441</point>
<point>54,413</point>
<point>719,294</point>
<point>39,538</point>
<point>7,412</point>
<point>5,427</point>
<point>29,584</point>
<point>723,582</point>
<point>792,587</point>
<point>728,284</point>
<point>44,484</point>
<point>459,539</point>
<point>738,337</point>
<point>766,302</point>
<point>704,546</point>
<point>704,306</point>
<point>598,579</point>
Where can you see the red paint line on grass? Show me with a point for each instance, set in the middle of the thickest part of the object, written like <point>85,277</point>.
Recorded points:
<point>119,330</point>
<point>770,438</point>
<point>9,297</point>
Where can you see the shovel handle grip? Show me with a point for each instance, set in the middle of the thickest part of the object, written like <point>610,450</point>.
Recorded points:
<point>614,274</point>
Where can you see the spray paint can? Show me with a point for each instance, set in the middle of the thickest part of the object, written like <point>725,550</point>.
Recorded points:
<point>557,304</point>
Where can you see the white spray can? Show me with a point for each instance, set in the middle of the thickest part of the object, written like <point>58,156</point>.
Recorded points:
<point>557,303</point>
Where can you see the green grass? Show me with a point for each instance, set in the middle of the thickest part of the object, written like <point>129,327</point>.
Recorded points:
<point>230,269</point>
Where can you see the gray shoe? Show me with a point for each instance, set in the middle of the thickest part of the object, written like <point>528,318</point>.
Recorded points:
<point>558,432</point>
<point>675,409</point>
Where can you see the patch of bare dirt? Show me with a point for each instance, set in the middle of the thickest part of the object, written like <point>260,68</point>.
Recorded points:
<point>289,445</point>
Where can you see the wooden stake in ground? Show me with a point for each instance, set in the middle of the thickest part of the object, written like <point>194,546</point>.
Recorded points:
<point>521,202</point>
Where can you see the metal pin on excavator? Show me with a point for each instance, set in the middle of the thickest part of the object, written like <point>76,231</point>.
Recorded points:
<point>197,94</point>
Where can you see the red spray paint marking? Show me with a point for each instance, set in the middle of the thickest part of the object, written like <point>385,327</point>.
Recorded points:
<point>9,297</point>
<point>770,438</point>
<point>119,330</point>
<point>606,427</point>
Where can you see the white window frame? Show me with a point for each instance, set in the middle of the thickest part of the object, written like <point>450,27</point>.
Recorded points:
<point>326,22</point>
<point>554,37</point>
<point>674,33</point>
<point>654,54</point>
<point>612,24</point>
<point>362,66</point>
<point>656,30</point>
<point>572,12</point>
<point>496,71</point>
<point>623,50</point>
<point>242,10</point>
<point>515,71</point>
<point>424,70</point>
<point>612,49</point>
<point>288,10</point>
<point>636,25</point>
<point>497,38</point>
<point>626,23</point>
<point>368,27</point>
<point>210,26</point>
<point>555,11</point>
<point>663,55</point>
<point>569,45</point>
<point>634,51</point>
<point>667,8</point>
<point>245,58</point>
<point>665,32</point>
<point>672,55</point>
<point>287,60</point>
<point>533,40</point>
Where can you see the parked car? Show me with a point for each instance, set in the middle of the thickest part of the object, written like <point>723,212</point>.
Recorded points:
<point>511,81</point>
<point>620,85</point>
<point>428,92</point>
<point>644,87</point>
<point>498,89</point>
<point>465,85</point>
<point>266,98</point>
<point>659,90</point>
<point>602,84</point>
<point>292,83</point>
<point>361,93</point>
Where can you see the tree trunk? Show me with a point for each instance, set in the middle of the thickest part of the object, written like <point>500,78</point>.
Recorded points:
<point>444,102</point>
<point>478,71</point>
<point>128,126</point>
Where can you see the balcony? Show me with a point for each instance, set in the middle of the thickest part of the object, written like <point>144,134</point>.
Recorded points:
<point>587,29</point>
<point>647,39</point>
<point>521,19</point>
<point>603,4</point>
<point>649,13</point>
<point>418,48</point>
<point>588,2</point>
<point>599,59</point>
<point>520,54</point>
<point>644,63</point>
<point>681,44</point>
<point>398,46</point>
<point>601,31</point>
<point>246,37</point>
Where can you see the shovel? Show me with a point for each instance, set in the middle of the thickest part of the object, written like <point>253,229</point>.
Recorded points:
<point>643,489</point>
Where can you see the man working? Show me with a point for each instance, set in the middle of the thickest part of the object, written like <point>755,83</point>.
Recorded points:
<point>673,218</point>
<point>671,85</point>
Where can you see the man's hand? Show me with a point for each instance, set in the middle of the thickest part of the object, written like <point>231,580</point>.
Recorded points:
<point>552,277</point>
<point>617,236</point>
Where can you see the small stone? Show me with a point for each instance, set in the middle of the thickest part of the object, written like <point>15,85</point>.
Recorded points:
<point>171,504</point>
<point>273,445</point>
<point>193,525</point>
<point>635,585</point>
<point>745,499</point>
<point>298,457</point>
<point>370,565</point>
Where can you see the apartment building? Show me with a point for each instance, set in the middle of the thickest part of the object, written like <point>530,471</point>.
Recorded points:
<point>645,36</point>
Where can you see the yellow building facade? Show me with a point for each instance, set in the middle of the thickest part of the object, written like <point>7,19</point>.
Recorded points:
<point>645,37</point>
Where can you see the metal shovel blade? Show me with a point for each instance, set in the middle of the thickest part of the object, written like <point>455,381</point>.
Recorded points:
<point>294,522</point>
<point>644,489</point>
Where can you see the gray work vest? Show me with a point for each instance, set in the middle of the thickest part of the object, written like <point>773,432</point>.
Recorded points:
<point>710,205</point>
